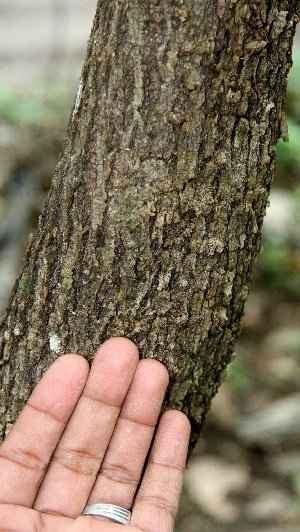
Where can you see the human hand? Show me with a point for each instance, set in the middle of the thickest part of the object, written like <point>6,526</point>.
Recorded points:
<point>84,436</point>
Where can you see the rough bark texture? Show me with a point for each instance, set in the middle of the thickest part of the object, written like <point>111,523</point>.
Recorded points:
<point>153,221</point>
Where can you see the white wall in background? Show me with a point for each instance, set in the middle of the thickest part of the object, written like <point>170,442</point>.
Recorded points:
<point>43,39</point>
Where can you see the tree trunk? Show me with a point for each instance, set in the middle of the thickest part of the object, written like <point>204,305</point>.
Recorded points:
<point>153,220</point>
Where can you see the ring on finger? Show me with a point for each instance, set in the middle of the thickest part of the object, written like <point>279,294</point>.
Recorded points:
<point>111,511</point>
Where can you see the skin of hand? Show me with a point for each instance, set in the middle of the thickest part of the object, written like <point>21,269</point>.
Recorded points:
<point>84,437</point>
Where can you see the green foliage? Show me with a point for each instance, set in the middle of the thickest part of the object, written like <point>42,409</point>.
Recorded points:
<point>239,377</point>
<point>279,264</point>
<point>48,105</point>
<point>288,155</point>
<point>288,162</point>
<point>17,110</point>
<point>296,195</point>
<point>296,486</point>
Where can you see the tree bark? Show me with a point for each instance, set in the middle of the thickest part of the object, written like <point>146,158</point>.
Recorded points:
<point>153,220</point>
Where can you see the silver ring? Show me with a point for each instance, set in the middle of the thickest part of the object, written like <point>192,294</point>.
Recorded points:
<point>111,511</point>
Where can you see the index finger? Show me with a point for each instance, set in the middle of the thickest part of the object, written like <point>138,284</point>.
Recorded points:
<point>26,451</point>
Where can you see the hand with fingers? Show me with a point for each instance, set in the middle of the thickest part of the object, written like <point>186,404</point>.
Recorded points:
<point>80,445</point>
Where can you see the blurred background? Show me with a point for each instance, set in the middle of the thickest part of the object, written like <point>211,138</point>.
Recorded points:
<point>245,472</point>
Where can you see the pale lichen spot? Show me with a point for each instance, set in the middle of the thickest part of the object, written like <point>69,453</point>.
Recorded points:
<point>55,343</point>
<point>7,336</point>
<point>78,98</point>
<point>221,157</point>
<point>17,330</point>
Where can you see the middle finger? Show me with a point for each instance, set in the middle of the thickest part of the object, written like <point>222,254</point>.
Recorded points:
<point>78,456</point>
<point>123,463</point>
